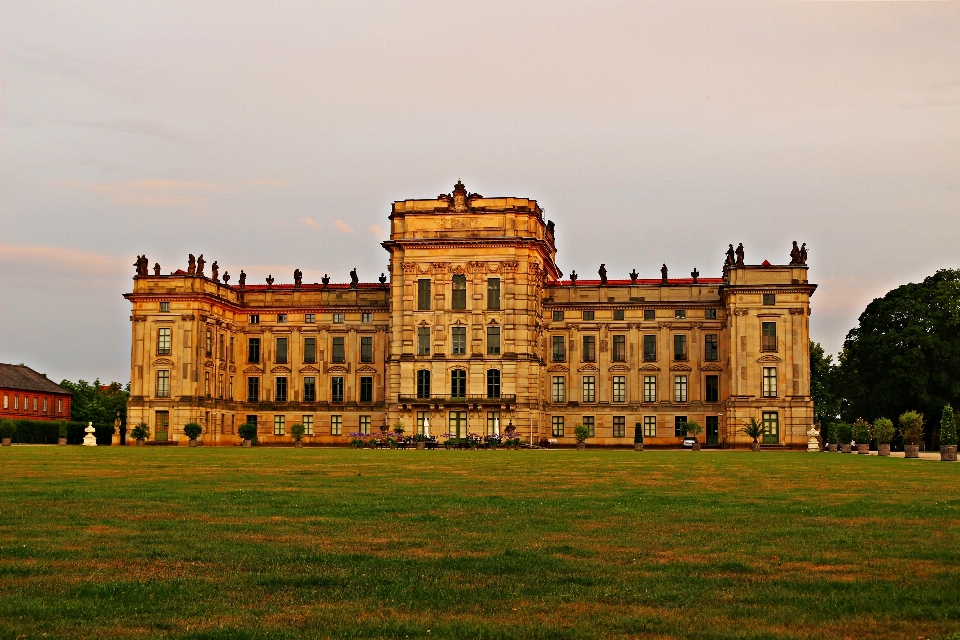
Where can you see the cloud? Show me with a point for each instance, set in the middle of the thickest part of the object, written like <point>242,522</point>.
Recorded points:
<point>153,192</point>
<point>310,222</point>
<point>376,230</point>
<point>343,226</point>
<point>57,263</point>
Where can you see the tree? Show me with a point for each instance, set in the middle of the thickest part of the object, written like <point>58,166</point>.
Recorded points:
<point>823,380</point>
<point>948,427</point>
<point>97,402</point>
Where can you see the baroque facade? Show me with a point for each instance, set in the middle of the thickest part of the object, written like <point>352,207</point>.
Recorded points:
<point>473,330</point>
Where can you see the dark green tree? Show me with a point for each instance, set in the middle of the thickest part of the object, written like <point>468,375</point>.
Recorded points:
<point>823,380</point>
<point>97,402</point>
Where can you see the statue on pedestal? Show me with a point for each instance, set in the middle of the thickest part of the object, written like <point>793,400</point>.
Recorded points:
<point>226,277</point>
<point>813,438</point>
<point>739,263</point>
<point>191,265</point>
<point>633,276</point>
<point>297,278</point>
<point>325,279</point>
<point>663,274</point>
<point>270,281</point>
<point>603,274</point>
<point>215,271</point>
<point>156,268</point>
<point>695,275</point>
<point>383,280</point>
<point>243,279</point>
<point>354,279</point>
<point>200,263</point>
<point>730,261</point>
<point>90,440</point>
<point>573,277</point>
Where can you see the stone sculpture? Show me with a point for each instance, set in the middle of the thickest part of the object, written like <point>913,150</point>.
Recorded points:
<point>603,274</point>
<point>739,263</point>
<point>270,281</point>
<point>142,265</point>
<point>156,268</point>
<point>243,279</point>
<point>813,434</point>
<point>803,253</point>
<point>226,277</point>
<point>191,265</point>
<point>695,275</point>
<point>325,279</point>
<point>383,280</point>
<point>663,274</point>
<point>215,271</point>
<point>90,440</point>
<point>354,280</point>
<point>297,278</point>
<point>730,261</point>
<point>633,276</point>
<point>200,263</point>
<point>573,277</point>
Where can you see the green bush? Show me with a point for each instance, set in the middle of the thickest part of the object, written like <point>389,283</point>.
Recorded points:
<point>62,430</point>
<point>693,427</point>
<point>8,429</point>
<point>192,430</point>
<point>581,433</point>
<point>140,432</point>
<point>248,431</point>
<point>911,425</point>
<point>420,437</point>
<point>358,443</point>
<point>948,426</point>
<point>844,432</point>
<point>297,431</point>
<point>883,430</point>
<point>862,431</point>
<point>753,430</point>
<point>638,433</point>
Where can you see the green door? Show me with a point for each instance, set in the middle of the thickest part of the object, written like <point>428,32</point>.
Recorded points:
<point>713,430</point>
<point>162,431</point>
<point>771,428</point>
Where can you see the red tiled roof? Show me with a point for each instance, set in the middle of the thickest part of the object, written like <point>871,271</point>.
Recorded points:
<point>314,286</point>
<point>640,281</point>
<point>18,376</point>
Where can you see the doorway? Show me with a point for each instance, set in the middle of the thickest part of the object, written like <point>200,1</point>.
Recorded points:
<point>713,430</point>
<point>771,428</point>
<point>162,430</point>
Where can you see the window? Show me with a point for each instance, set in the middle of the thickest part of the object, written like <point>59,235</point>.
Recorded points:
<point>163,384</point>
<point>712,389</point>
<point>422,421</point>
<point>679,388</point>
<point>589,389</point>
<point>557,426</point>
<point>253,350</point>
<point>649,388</point>
<point>164,307</point>
<point>713,429</point>
<point>16,402</point>
<point>559,349</point>
<point>309,389</point>
<point>458,341</point>
<point>768,336</point>
<point>307,425</point>
<point>769,382</point>
<point>281,351</point>
<point>493,341</point>
<point>279,425</point>
<point>231,349</point>
<point>309,350</point>
<point>209,344</point>
<point>619,348</point>
<point>366,348</point>
<point>59,404</point>
<point>253,389</point>
<point>771,427</point>
<point>230,390</point>
<point>459,299</point>
<point>680,346</point>
<point>588,316</point>
<point>679,426</point>
<point>619,426</point>
<point>366,389</point>
<point>649,426</point>
<point>710,314</point>
<point>281,318</point>
<point>338,318</point>
<point>254,318</point>
<point>458,383</point>
<point>423,383</point>
<point>711,349</point>
<point>336,389</point>
<point>618,314</point>
<point>493,293</point>
<point>365,425</point>
<point>220,347</point>
<point>310,318</point>
<point>6,402</point>
<point>558,389</point>
<point>281,389</point>
<point>619,388</point>
<point>680,314</point>
<point>493,423</point>
<point>590,423</point>
<point>423,341</point>
<point>493,383</point>
<point>769,299</point>
<point>35,404</point>
<point>458,424</point>
<point>649,348</point>
<point>558,316</point>
<point>220,385</point>
<point>339,354</point>
<point>589,348</point>
<point>163,341</point>
<point>423,295</point>
<point>336,425</point>
<point>649,314</point>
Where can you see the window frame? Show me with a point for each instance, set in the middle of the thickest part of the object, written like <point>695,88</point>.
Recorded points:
<point>458,292</point>
<point>164,307</point>
<point>424,293</point>
<point>307,424</point>
<point>458,340</point>
<point>423,384</point>
<point>280,389</point>
<point>309,389</point>
<point>680,346</point>
<point>310,318</point>
<point>557,316</point>
<point>279,425</point>
<point>770,383</point>
<point>556,424</point>
<point>678,430</point>
<point>366,349</point>
<point>253,388</point>
<point>164,341</point>
<point>493,294</point>
<point>711,383</point>
<point>337,391</point>
<point>253,350</point>
<point>650,388</point>
<point>493,340</point>
<point>337,317</point>
<point>768,336</point>
<point>558,389</point>
<point>282,353</point>
<point>589,353</point>
<point>336,424</point>
<point>254,318</point>
<point>590,422</point>
<point>163,384</point>
<point>649,426</point>
<point>588,315</point>
<point>618,387</point>
<point>619,314</point>
<point>619,351</point>
<point>711,347</point>
<point>588,389</point>
<point>309,350</point>
<point>366,317</point>
<point>649,340</point>
<point>558,354</point>
<point>681,387</point>
<point>423,341</point>
<point>458,383</point>
<point>619,426</point>
<point>338,351</point>
<point>494,380</point>
<point>366,389</point>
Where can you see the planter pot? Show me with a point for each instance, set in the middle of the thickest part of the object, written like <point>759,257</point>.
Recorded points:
<point>5,442</point>
<point>863,449</point>
<point>421,445</point>
<point>194,443</point>
<point>62,442</point>
<point>638,446</point>
<point>581,446</point>
<point>883,449</point>
<point>298,444</point>
<point>911,451</point>
<point>247,443</point>
<point>845,448</point>
<point>754,446</point>
<point>832,448</point>
<point>695,447</point>
<point>948,453</point>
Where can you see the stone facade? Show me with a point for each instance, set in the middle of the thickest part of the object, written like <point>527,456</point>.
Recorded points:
<point>476,329</point>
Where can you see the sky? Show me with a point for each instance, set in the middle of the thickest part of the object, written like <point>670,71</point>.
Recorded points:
<point>271,136</point>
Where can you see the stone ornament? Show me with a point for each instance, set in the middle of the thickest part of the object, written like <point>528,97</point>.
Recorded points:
<point>89,440</point>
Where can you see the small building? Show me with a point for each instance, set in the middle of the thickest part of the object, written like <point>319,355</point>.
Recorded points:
<point>31,395</point>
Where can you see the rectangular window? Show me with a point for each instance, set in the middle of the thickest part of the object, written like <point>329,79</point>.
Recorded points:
<point>493,341</point>
<point>366,317</point>
<point>423,294</point>
<point>254,318</point>
<point>711,347</point>
<point>590,423</point>
<point>366,348</point>
<point>558,389</point>
<point>309,318</point>
<point>220,385</point>
<point>423,383</point>
<point>336,389</point>
<point>279,425</point>
<point>338,318</point>
<point>307,425</point>
<point>422,421</point>
<point>493,293</point>
<point>588,316</point>
<point>619,388</point>
<point>209,349</point>
<point>16,403</point>
<point>493,383</point>
<point>493,423</point>
<point>230,355</point>
<point>366,389</point>
<point>680,346</point>
<point>558,316</point>
<point>712,389</point>
<point>458,341</point>
<point>163,384</point>
<point>336,425</point>
<point>35,404</point>
<point>618,314</point>
<point>679,314</point>
<point>6,402</point>
<point>309,350</point>
<point>459,298</point>
<point>220,346</point>
<point>559,348</point>
<point>769,299</point>
<point>281,318</point>
<point>281,351</point>
<point>679,428</point>
<point>458,383</point>
<point>649,314</point>
<point>163,341</point>
<point>423,341</point>
<point>649,388</point>
<point>230,389</point>
<point>619,348</point>
<point>679,388</point>
<point>589,389</point>
<point>619,426</point>
<point>164,307</point>
<point>769,382</point>
<point>710,314</point>
<point>557,426</point>
<point>281,390</point>
<point>768,336</point>
<point>339,353</point>
<point>309,389</point>
<point>649,348</point>
<point>771,427</point>
<point>713,429</point>
<point>365,425</point>
<point>589,348</point>
<point>253,389</point>
<point>458,424</point>
<point>649,426</point>
<point>253,350</point>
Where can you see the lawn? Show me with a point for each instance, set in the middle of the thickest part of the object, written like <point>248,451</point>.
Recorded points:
<point>274,543</point>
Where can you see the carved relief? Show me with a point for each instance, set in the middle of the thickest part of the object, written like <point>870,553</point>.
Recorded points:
<point>280,369</point>
<point>740,312</point>
<point>253,369</point>
<point>558,368</point>
<point>589,367</point>
<point>619,368</point>
<point>309,369</point>
<point>510,265</point>
<point>681,367</point>
<point>769,358</point>
<point>163,362</point>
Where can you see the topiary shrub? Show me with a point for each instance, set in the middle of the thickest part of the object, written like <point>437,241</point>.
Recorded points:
<point>948,427</point>
<point>844,432</point>
<point>248,431</point>
<point>7,429</point>
<point>638,433</point>
<point>297,431</point>
<point>192,430</point>
<point>140,432</point>
<point>581,433</point>
<point>862,431</point>
<point>883,430</point>
<point>911,425</point>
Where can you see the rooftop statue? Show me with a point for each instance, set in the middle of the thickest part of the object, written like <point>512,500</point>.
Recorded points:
<point>325,279</point>
<point>695,275</point>
<point>156,268</point>
<point>269,281</point>
<point>243,279</point>
<point>383,279</point>
<point>215,271</point>
<point>354,280</point>
<point>663,274</point>
<point>803,253</point>
<point>297,278</point>
<point>603,274</point>
<point>226,277</point>
<point>633,276</point>
<point>730,261</point>
<point>200,263</point>
<point>573,277</point>
<point>739,263</point>
<point>191,265</point>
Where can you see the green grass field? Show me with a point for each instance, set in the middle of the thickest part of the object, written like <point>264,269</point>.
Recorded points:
<point>251,543</point>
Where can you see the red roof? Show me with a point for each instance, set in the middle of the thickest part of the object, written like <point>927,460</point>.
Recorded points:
<point>314,286</point>
<point>643,281</point>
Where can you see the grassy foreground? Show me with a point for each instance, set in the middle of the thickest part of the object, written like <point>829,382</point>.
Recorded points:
<point>250,543</point>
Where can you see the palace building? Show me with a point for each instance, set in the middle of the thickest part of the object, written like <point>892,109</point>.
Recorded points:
<point>474,329</point>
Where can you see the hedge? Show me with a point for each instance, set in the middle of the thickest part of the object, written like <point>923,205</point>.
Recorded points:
<point>48,432</point>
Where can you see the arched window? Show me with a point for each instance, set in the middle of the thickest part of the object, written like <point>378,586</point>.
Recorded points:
<point>458,383</point>
<point>423,383</point>
<point>493,383</point>
<point>459,298</point>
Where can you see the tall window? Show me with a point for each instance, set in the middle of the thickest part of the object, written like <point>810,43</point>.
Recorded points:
<point>493,383</point>
<point>220,346</point>
<point>339,353</point>
<point>281,391</point>
<point>366,389</point>
<point>557,426</point>
<point>422,417</point>
<point>423,294</point>
<point>281,351</point>
<point>559,348</point>
<point>253,389</point>
<point>459,298</point>
<point>679,426</point>
<point>163,384</point>
<point>558,389</point>
<point>649,388</point>
<point>649,426</point>
<point>458,383</point>
<point>365,425</point>
<point>366,348</point>
<point>230,389</point>
<point>493,341</point>
<point>209,344</point>
<point>253,350</point>
<point>59,404</point>
<point>230,354</point>
<point>423,383</point>
<point>336,425</point>
<point>619,426</point>
<point>206,383</point>
<point>679,388</point>
<point>163,341</point>
<point>279,425</point>
<point>589,348</point>
<point>589,389</point>
<point>307,425</point>
<point>458,340</point>
<point>680,346</point>
<point>619,348</point>
<point>649,348</point>
<point>493,422</point>
<point>493,293</point>
<point>336,389</point>
<point>712,389</point>
<point>44,405</point>
<point>310,389</point>
<point>711,350</point>
<point>423,341</point>
<point>619,388</point>
<point>769,382</point>
<point>309,350</point>
<point>590,423</point>
<point>220,385</point>
<point>458,424</point>
<point>768,338</point>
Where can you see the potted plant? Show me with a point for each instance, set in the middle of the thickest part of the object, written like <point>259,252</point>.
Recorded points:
<point>844,436</point>
<point>862,434</point>
<point>399,428</point>
<point>581,433</point>
<point>511,437</point>
<point>911,425</point>
<point>247,431</point>
<point>421,440</point>
<point>297,432</point>
<point>948,436</point>
<point>192,430</point>
<point>62,434</point>
<point>8,429</point>
<point>638,437</point>
<point>883,433</point>
<point>754,430</point>
<point>693,428</point>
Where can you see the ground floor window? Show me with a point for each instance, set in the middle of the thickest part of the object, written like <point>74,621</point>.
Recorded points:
<point>590,423</point>
<point>423,419</point>
<point>279,425</point>
<point>650,426</point>
<point>161,432</point>
<point>493,423</point>
<point>308,425</point>
<point>336,425</point>
<point>619,426</point>
<point>679,428</point>
<point>557,426</point>
<point>365,425</point>
<point>771,427</point>
<point>458,424</point>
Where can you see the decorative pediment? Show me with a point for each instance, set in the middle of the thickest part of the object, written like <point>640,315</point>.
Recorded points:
<point>163,362</point>
<point>459,270</point>
<point>619,368</point>
<point>208,364</point>
<point>681,367</point>
<point>337,369</point>
<point>649,367</point>
<point>711,367</point>
<point>493,321</point>
<point>233,368</point>
<point>589,367</point>
<point>423,323</point>
<point>309,369</point>
<point>253,369</point>
<point>769,358</point>
<point>366,369</point>
<point>280,369</point>
<point>558,368</point>
<point>222,366</point>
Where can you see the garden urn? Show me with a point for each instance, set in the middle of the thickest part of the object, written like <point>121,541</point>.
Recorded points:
<point>581,446</point>
<point>883,449</point>
<point>193,443</point>
<point>695,447</point>
<point>948,453</point>
<point>863,449</point>
<point>62,441</point>
<point>832,447</point>
<point>845,448</point>
<point>421,445</point>
<point>638,446</point>
<point>911,451</point>
<point>298,444</point>
<point>5,442</point>
<point>247,443</point>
